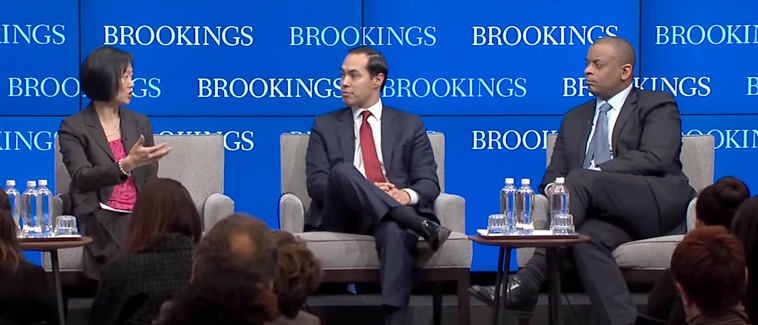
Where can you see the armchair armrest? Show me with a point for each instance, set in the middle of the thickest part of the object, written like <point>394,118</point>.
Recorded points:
<point>541,212</point>
<point>57,207</point>
<point>691,215</point>
<point>451,210</point>
<point>217,206</point>
<point>291,213</point>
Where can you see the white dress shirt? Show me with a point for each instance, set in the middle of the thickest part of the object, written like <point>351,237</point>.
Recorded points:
<point>375,121</point>
<point>616,102</point>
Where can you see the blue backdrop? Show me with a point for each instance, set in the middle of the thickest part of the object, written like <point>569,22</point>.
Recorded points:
<point>494,76</point>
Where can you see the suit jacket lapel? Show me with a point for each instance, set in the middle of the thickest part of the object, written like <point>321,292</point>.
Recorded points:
<point>346,134</point>
<point>129,132</point>
<point>626,111</point>
<point>584,132</point>
<point>388,137</point>
<point>96,130</point>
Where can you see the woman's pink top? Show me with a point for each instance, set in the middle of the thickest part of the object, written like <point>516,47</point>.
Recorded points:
<point>124,195</point>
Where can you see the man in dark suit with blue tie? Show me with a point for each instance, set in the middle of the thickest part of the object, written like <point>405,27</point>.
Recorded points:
<point>370,170</point>
<point>620,156</point>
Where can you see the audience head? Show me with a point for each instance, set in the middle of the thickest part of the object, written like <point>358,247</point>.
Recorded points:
<point>745,227</point>
<point>223,299</point>
<point>709,270</point>
<point>106,75</point>
<point>299,273</point>
<point>717,203</point>
<point>364,73</point>
<point>239,243</point>
<point>240,246</point>
<point>10,253</point>
<point>610,66</point>
<point>163,206</point>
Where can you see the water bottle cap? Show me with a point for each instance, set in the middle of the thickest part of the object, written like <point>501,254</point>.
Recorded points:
<point>509,180</point>
<point>31,184</point>
<point>525,181</point>
<point>42,182</point>
<point>10,182</point>
<point>560,180</point>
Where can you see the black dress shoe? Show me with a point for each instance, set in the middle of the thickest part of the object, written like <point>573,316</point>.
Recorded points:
<point>434,234</point>
<point>395,316</point>
<point>522,297</point>
<point>484,293</point>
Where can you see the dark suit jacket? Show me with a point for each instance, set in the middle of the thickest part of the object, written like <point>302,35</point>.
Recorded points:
<point>89,159</point>
<point>133,287</point>
<point>646,141</point>
<point>26,297</point>
<point>406,150</point>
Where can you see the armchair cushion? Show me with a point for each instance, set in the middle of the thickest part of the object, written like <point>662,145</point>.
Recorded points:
<point>349,251</point>
<point>652,253</point>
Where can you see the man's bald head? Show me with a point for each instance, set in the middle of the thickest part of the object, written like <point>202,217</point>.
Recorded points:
<point>241,244</point>
<point>624,50</point>
<point>610,67</point>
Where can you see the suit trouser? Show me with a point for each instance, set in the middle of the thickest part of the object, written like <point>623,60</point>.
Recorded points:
<point>355,205</point>
<point>601,276</point>
<point>626,201</point>
<point>108,230</point>
<point>613,208</point>
<point>621,208</point>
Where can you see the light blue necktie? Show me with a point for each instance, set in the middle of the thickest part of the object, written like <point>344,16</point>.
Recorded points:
<point>599,149</point>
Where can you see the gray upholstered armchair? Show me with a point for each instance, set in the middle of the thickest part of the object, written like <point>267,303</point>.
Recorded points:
<point>197,161</point>
<point>348,258</point>
<point>642,261</point>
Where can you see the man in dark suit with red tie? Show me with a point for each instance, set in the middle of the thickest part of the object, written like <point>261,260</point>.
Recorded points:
<point>370,170</point>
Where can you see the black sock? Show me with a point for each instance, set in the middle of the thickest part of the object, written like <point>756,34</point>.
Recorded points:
<point>407,218</point>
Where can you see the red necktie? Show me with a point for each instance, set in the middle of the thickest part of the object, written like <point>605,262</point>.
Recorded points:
<point>368,150</point>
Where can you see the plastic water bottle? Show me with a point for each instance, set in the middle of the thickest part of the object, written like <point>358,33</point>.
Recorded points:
<point>44,208</point>
<point>559,200</point>
<point>561,221</point>
<point>524,208</point>
<point>508,205</point>
<point>29,210</point>
<point>15,197</point>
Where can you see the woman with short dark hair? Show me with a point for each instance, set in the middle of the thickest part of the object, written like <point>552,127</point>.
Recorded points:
<point>109,152</point>
<point>157,263</point>
<point>25,295</point>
